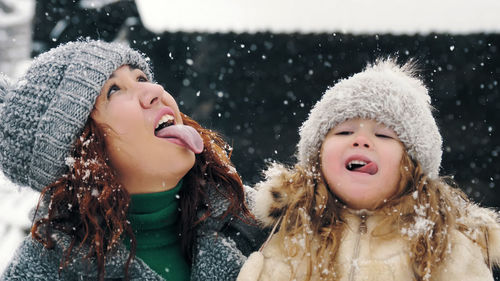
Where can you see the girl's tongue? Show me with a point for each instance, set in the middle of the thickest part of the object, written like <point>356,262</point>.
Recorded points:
<point>185,134</point>
<point>370,168</point>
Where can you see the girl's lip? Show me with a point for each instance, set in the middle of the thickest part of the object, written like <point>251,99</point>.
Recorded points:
<point>357,157</point>
<point>371,167</point>
<point>161,113</point>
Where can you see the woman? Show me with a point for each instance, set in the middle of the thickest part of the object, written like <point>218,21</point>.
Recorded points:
<point>131,188</point>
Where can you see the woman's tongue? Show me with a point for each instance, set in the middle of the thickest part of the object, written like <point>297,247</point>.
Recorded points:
<point>185,134</point>
<point>370,168</point>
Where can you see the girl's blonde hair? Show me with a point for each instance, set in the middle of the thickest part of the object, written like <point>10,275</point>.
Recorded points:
<point>311,208</point>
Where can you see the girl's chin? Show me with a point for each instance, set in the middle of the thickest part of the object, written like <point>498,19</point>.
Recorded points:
<point>360,206</point>
<point>361,203</point>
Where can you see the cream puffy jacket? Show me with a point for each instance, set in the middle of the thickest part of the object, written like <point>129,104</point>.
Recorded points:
<point>363,256</point>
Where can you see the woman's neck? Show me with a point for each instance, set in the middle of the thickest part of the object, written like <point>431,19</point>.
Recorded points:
<point>154,218</point>
<point>145,185</point>
<point>152,214</point>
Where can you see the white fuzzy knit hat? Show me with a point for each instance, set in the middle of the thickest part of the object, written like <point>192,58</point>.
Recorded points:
<point>385,92</point>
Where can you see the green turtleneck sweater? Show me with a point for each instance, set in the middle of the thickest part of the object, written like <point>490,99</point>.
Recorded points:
<point>154,219</point>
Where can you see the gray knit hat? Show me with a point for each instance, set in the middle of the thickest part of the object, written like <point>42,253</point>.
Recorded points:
<point>46,110</point>
<point>385,92</point>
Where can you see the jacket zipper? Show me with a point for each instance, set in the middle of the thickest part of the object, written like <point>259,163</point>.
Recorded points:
<point>361,230</point>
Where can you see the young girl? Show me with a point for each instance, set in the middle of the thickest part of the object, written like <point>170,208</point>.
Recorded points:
<point>131,188</point>
<point>364,201</point>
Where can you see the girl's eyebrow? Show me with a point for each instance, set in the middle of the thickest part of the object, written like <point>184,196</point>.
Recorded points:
<point>383,127</point>
<point>343,127</point>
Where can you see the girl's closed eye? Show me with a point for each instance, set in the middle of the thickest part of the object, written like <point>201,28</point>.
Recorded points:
<point>385,133</point>
<point>382,135</point>
<point>343,133</point>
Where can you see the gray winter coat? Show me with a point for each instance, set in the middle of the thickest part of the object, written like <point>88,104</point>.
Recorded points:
<point>221,249</point>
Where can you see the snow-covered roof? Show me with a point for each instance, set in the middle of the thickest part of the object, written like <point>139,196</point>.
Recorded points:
<point>353,16</point>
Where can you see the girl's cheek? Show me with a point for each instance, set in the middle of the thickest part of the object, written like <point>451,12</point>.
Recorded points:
<point>327,161</point>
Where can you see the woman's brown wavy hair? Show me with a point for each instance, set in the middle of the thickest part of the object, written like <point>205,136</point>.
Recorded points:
<point>313,208</point>
<point>89,204</point>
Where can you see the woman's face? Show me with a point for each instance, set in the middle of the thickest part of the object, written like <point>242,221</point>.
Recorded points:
<point>129,109</point>
<point>360,161</point>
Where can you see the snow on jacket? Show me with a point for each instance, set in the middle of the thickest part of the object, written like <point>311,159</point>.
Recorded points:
<point>220,251</point>
<point>363,256</point>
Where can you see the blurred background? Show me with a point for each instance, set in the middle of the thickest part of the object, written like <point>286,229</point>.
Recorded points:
<point>252,70</point>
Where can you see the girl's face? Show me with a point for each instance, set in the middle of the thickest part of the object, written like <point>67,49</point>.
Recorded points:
<point>128,109</point>
<point>360,161</point>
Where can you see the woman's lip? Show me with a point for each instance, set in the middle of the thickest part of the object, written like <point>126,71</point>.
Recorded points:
<point>161,113</point>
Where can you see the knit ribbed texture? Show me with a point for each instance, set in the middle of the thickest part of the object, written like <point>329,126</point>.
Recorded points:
<point>385,92</point>
<point>46,110</point>
<point>154,218</point>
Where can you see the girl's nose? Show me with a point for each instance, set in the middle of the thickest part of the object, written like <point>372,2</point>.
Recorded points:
<point>149,94</point>
<point>362,141</point>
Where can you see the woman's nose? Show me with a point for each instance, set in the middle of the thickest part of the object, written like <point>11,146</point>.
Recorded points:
<point>149,94</point>
<point>361,141</point>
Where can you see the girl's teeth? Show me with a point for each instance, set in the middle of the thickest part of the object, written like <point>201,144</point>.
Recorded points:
<point>355,162</point>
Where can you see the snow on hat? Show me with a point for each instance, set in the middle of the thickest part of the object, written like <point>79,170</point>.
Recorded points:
<point>385,92</point>
<point>46,110</point>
